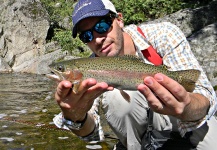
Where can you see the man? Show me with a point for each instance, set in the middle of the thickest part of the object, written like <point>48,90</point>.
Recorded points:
<point>102,29</point>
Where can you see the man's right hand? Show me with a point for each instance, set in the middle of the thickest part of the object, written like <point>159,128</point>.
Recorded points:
<point>74,106</point>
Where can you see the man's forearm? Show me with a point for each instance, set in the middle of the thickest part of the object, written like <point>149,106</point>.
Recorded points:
<point>196,109</point>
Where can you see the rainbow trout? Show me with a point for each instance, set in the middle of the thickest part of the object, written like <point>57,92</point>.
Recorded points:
<point>122,72</point>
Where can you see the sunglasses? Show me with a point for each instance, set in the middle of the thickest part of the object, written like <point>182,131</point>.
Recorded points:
<point>100,27</point>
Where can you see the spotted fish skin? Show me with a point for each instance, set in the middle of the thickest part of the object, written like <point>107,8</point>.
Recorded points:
<point>122,72</point>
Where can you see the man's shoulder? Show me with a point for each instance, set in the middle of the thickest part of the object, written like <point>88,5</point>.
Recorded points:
<point>152,28</point>
<point>157,25</point>
<point>159,29</point>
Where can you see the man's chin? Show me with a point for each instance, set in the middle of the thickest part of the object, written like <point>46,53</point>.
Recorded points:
<point>112,54</point>
<point>109,54</point>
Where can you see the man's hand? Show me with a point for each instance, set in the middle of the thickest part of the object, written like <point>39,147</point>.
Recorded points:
<point>75,106</point>
<point>166,96</point>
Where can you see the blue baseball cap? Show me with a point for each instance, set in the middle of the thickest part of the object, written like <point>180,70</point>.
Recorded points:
<point>90,8</point>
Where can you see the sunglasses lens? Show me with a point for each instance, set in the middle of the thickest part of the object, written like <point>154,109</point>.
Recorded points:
<point>102,26</point>
<point>86,36</point>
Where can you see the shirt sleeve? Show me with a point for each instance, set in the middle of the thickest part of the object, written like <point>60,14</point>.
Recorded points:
<point>172,45</point>
<point>96,135</point>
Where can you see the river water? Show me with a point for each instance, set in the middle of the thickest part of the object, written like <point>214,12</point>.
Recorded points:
<point>26,112</point>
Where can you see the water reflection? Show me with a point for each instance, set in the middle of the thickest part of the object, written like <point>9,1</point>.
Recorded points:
<point>26,112</point>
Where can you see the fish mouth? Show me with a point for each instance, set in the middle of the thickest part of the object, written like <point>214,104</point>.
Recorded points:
<point>54,75</point>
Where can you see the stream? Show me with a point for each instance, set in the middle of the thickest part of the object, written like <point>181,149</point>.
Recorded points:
<point>26,112</point>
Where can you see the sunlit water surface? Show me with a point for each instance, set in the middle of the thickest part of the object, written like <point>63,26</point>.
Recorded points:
<point>27,107</point>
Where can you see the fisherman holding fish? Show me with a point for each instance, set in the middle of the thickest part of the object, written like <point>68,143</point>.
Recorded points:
<point>177,91</point>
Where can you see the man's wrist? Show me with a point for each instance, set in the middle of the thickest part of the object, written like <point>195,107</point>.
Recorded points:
<point>74,116</point>
<point>83,119</point>
<point>75,125</point>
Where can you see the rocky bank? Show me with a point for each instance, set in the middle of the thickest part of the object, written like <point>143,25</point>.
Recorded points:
<point>24,26</point>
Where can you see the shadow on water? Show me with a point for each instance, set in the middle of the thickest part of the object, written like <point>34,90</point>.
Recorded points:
<point>26,112</point>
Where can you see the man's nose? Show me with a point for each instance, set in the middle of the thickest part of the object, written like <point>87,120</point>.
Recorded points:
<point>99,38</point>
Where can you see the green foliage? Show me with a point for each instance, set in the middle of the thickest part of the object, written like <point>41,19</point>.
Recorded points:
<point>73,45</point>
<point>63,36</point>
<point>137,11</point>
<point>57,13</point>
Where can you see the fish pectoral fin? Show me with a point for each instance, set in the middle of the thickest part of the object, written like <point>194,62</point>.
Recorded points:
<point>125,95</point>
<point>189,85</point>
<point>188,78</point>
<point>76,85</point>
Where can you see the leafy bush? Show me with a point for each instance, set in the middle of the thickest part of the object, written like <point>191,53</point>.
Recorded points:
<point>58,12</point>
<point>73,45</point>
<point>137,11</point>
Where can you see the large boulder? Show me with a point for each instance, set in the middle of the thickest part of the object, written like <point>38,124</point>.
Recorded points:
<point>192,20</point>
<point>24,26</point>
<point>204,46</point>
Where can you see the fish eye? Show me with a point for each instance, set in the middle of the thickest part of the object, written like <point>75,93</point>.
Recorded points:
<point>60,68</point>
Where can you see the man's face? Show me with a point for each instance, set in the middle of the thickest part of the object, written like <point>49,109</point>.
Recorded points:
<point>109,43</point>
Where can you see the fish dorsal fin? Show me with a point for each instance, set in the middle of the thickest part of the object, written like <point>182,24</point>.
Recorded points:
<point>165,67</point>
<point>132,57</point>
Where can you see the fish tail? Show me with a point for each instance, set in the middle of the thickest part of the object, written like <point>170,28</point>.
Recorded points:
<point>187,78</point>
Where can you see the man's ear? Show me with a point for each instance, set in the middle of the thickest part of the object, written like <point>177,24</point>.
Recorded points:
<point>120,20</point>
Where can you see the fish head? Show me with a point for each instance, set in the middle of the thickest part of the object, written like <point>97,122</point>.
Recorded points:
<point>63,71</point>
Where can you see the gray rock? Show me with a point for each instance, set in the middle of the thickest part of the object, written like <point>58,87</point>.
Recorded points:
<point>192,20</point>
<point>204,46</point>
<point>39,65</point>
<point>4,67</point>
<point>24,25</point>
